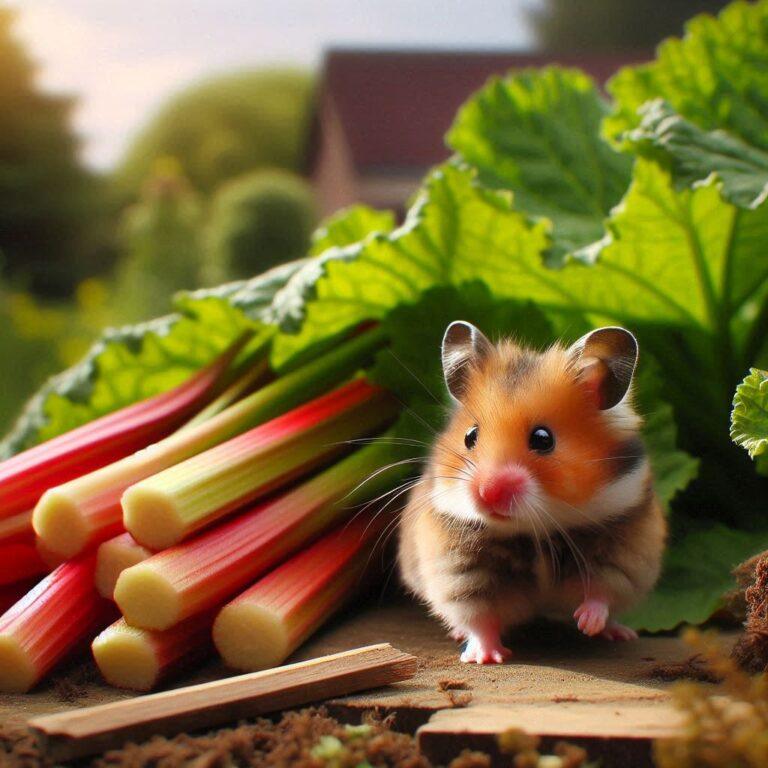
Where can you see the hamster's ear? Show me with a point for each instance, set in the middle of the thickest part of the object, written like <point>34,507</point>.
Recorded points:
<point>605,362</point>
<point>463,344</point>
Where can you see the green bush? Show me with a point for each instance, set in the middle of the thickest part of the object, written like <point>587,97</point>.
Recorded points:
<point>256,222</point>
<point>224,127</point>
<point>160,237</point>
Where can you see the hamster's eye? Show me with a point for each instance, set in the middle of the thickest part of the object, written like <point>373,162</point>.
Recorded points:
<point>470,439</point>
<point>541,440</point>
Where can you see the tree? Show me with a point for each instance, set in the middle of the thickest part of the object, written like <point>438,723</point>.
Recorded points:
<point>160,238</point>
<point>258,221</point>
<point>226,126</point>
<point>607,26</point>
<point>44,191</point>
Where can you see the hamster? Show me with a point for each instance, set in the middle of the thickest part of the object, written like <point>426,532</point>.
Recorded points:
<point>537,499</point>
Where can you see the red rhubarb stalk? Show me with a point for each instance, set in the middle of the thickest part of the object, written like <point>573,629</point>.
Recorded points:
<point>266,623</point>
<point>51,620</point>
<point>19,561</point>
<point>140,659</point>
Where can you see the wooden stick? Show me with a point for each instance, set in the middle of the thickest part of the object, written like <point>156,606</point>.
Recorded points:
<point>69,735</point>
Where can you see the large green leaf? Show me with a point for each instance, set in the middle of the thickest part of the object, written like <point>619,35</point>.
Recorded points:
<point>537,133</point>
<point>349,226</point>
<point>338,239</point>
<point>749,418</point>
<point>455,231</point>
<point>716,76</point>
<point>693,154</point>
<point>697,574</point>
<point>129,364</point>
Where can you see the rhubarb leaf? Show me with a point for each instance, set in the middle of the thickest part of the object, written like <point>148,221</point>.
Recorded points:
<point>254,297</point>
<point>350,226</point>
<point>715,76</point>
<point>749,418</point>
<point>693,154</point>
<point>455,231</point>
<point>131,363</point>
<point>339,240</point>
<point>537,133</point>
<point>697,574</point>
<point>124,366</point>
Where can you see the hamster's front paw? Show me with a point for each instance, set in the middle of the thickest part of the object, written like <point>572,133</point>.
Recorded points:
<point>592,616</point>
<point>485,650</point>
<point>459,635</point>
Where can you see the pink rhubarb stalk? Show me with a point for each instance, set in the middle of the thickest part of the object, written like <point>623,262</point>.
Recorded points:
<point>266,623</point>
<point>113,557</point>
<point>140,659</point>
<point>51,620</point>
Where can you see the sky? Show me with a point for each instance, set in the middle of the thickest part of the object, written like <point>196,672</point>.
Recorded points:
<point>123,59</point>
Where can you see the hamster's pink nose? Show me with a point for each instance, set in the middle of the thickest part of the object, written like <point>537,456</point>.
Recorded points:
<point>500,489</point>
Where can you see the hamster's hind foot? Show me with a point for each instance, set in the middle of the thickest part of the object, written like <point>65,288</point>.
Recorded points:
<point>618,632</point>
<point>592,616</point>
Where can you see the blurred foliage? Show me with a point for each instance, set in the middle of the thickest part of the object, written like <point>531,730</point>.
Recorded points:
<point>226,126</point>
<point>609,26</point>
<point>160,242</point>
<point>38,339</point>
<point>45,194</point>
<point>256,222</point>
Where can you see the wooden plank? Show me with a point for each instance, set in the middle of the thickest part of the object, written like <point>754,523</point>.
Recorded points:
<point>620,734</point>
<point>84,732</point>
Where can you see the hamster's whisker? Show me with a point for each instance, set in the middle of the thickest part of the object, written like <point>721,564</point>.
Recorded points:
<point>579,558</point>
<point>386,468</point>
<point>616,458</point>
<point>441,444</point>
<point>395,492</point>
<point>415,377</point>
<point>535,515</point>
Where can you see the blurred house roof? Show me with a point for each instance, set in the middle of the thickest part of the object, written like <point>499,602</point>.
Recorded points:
<point>382,114</point>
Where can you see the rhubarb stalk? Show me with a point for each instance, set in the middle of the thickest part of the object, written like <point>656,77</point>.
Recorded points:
<point>266,623</point>
<point>87,511</point>
<point>19,561</point>
<point>203,572</point>
<point>52,619</point>
<point>26,476</point>
<point>140,659</point>
<point>168,507</point>
<point>113,557</point>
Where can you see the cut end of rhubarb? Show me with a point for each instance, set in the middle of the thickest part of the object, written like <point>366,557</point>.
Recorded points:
<point>250,637</point>
<point>114,557</point>
<point>151,518</point>
<point>125,660</point>
<point>59,524</point>
<point>17,674</point>
<point>146,599</point>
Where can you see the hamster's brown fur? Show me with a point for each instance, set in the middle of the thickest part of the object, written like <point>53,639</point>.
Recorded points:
<point>585,534</point>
